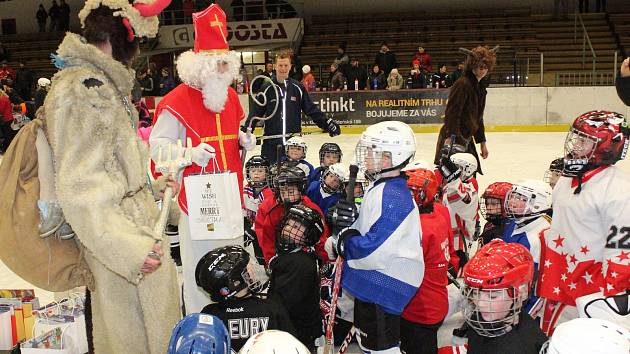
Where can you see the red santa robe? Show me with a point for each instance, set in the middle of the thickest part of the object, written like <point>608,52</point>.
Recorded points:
<point>219,130</point>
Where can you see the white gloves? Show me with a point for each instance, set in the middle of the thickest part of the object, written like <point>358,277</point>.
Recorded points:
<point>247,140</point>
<point>331,246</point>
<point>202,154</point>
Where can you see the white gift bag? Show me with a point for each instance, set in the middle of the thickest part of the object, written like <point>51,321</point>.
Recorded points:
<point>54,341</point>
<point>214,205</point>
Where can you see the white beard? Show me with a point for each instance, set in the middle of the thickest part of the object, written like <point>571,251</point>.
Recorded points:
<point>215,91</point>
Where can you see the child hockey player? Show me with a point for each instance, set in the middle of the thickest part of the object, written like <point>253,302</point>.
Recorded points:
<point>254,192</point>
<point>492,208</point>
<point>295,150</point>
<point>554,172</point>
<point>498,280</point>
<point>588,248</point>
<point>227,276</point>
<point>329,153</point>
<point>294,277</point>
<point>427,309</point>
<point>526,204</point>
<point>382,248</point>
<point>460,195</point>
<point>290,185</point>
<point>199,333</point>
<point>327,191</point>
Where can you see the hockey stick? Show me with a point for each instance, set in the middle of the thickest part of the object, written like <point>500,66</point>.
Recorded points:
<point>346,341</point>
<point>261,103</point>
<point>329,344</point>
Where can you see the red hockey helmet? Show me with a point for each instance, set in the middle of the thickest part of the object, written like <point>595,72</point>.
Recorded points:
<point>492,204</point>
<point>497,282</point>
<point>596,138</point>
<point>423,185</point>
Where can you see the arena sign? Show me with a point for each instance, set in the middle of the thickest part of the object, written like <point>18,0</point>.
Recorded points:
<point>369,107</point>
<point>240,34</point>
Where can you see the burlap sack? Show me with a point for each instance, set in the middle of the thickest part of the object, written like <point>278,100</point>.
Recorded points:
<point>51,264</point>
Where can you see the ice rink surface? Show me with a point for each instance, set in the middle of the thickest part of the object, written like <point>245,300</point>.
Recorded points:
<point>513,156</point>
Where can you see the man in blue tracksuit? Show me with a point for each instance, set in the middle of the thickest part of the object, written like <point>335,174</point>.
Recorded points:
<point>287,120</point>
<point>382,247</point>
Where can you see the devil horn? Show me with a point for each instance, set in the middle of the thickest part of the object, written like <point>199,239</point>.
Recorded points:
<point>465,51</point>
<point>152,9</point>
<point>495,49</point>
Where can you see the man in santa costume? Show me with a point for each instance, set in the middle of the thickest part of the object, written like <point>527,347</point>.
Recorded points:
<point>205,109</point>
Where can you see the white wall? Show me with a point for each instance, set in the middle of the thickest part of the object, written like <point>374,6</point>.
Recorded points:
<point>548,105</point>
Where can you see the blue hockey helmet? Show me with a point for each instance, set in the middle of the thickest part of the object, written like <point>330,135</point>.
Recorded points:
<point>199,333</point>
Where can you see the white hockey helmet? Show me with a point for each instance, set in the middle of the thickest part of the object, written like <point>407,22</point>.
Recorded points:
<point>588,336</point>
<point>391,137</point>
<point>467,162</point>
<point>43,82</point>
<point>297,141</point>
<point>528,198</point>
<point>273,341</point>
<point>337,169</point>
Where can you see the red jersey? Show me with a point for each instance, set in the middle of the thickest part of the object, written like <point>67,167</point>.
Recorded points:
<point>430,304</point>
<point>270,213</point>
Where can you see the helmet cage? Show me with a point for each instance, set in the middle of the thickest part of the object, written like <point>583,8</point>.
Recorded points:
<point>369,158</point>
<point>476,305</point>
<point>249,176</point>
<point>579,149</point>
<point>331,189</point>
<point>332,149</point>
<point>520,204</point>
<point>491,208</point>
<point>299,229</point>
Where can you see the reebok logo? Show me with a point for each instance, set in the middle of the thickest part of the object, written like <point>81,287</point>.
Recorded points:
<point>238,309</point>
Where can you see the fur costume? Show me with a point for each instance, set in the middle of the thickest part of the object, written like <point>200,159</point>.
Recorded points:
<point>100,167</point>
<point>466,103</point>
<point>143,26</point>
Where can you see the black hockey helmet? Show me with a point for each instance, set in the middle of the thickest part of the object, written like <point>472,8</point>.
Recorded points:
<point>257,161</point>
<point>329,148</point>
<point>290,176</point>
<point>301,227</point>
<point>223,272</point>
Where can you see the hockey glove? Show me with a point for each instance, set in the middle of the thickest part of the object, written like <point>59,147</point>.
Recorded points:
<point>343,214</point>
<point>249,235</point>
<point>343,237</point>
<point>202,154</point>
<point>449,169</point>
<point>333,127</point>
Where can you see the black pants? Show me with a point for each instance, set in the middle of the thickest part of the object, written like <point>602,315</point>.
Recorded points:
<point>269,151</point>
<point>7,134</point>
<point>379,330</point>
<point>417,338</point>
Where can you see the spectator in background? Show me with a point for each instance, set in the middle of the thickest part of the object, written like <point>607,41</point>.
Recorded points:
<point>337,79</point>
<point>386,59</point>
<point>395,80</point>
<point>167,83</point>
<point>295,73</point>
<point>440,79</point>
<point>188,6</point>
<point>7,74</point>
<point>41,17</point>
<point>6,117</point>
<point>43,85</point>
<point>623,82</point>
<point>459,72</point>
<point>269,72</point>
<point>342,60</point>
<point>416,78</point>
<point>376,79</point>
<point>146,83</point>
<point>54,13</point>
<point>64,16</point>
<point>155,75</point>
<point>600,5</point>
<point>13,95</point>
<point>308,80</point>
<point>4,53</point>
<point>424,59</point>
<point>357,76</point>
<point>24,81</point>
